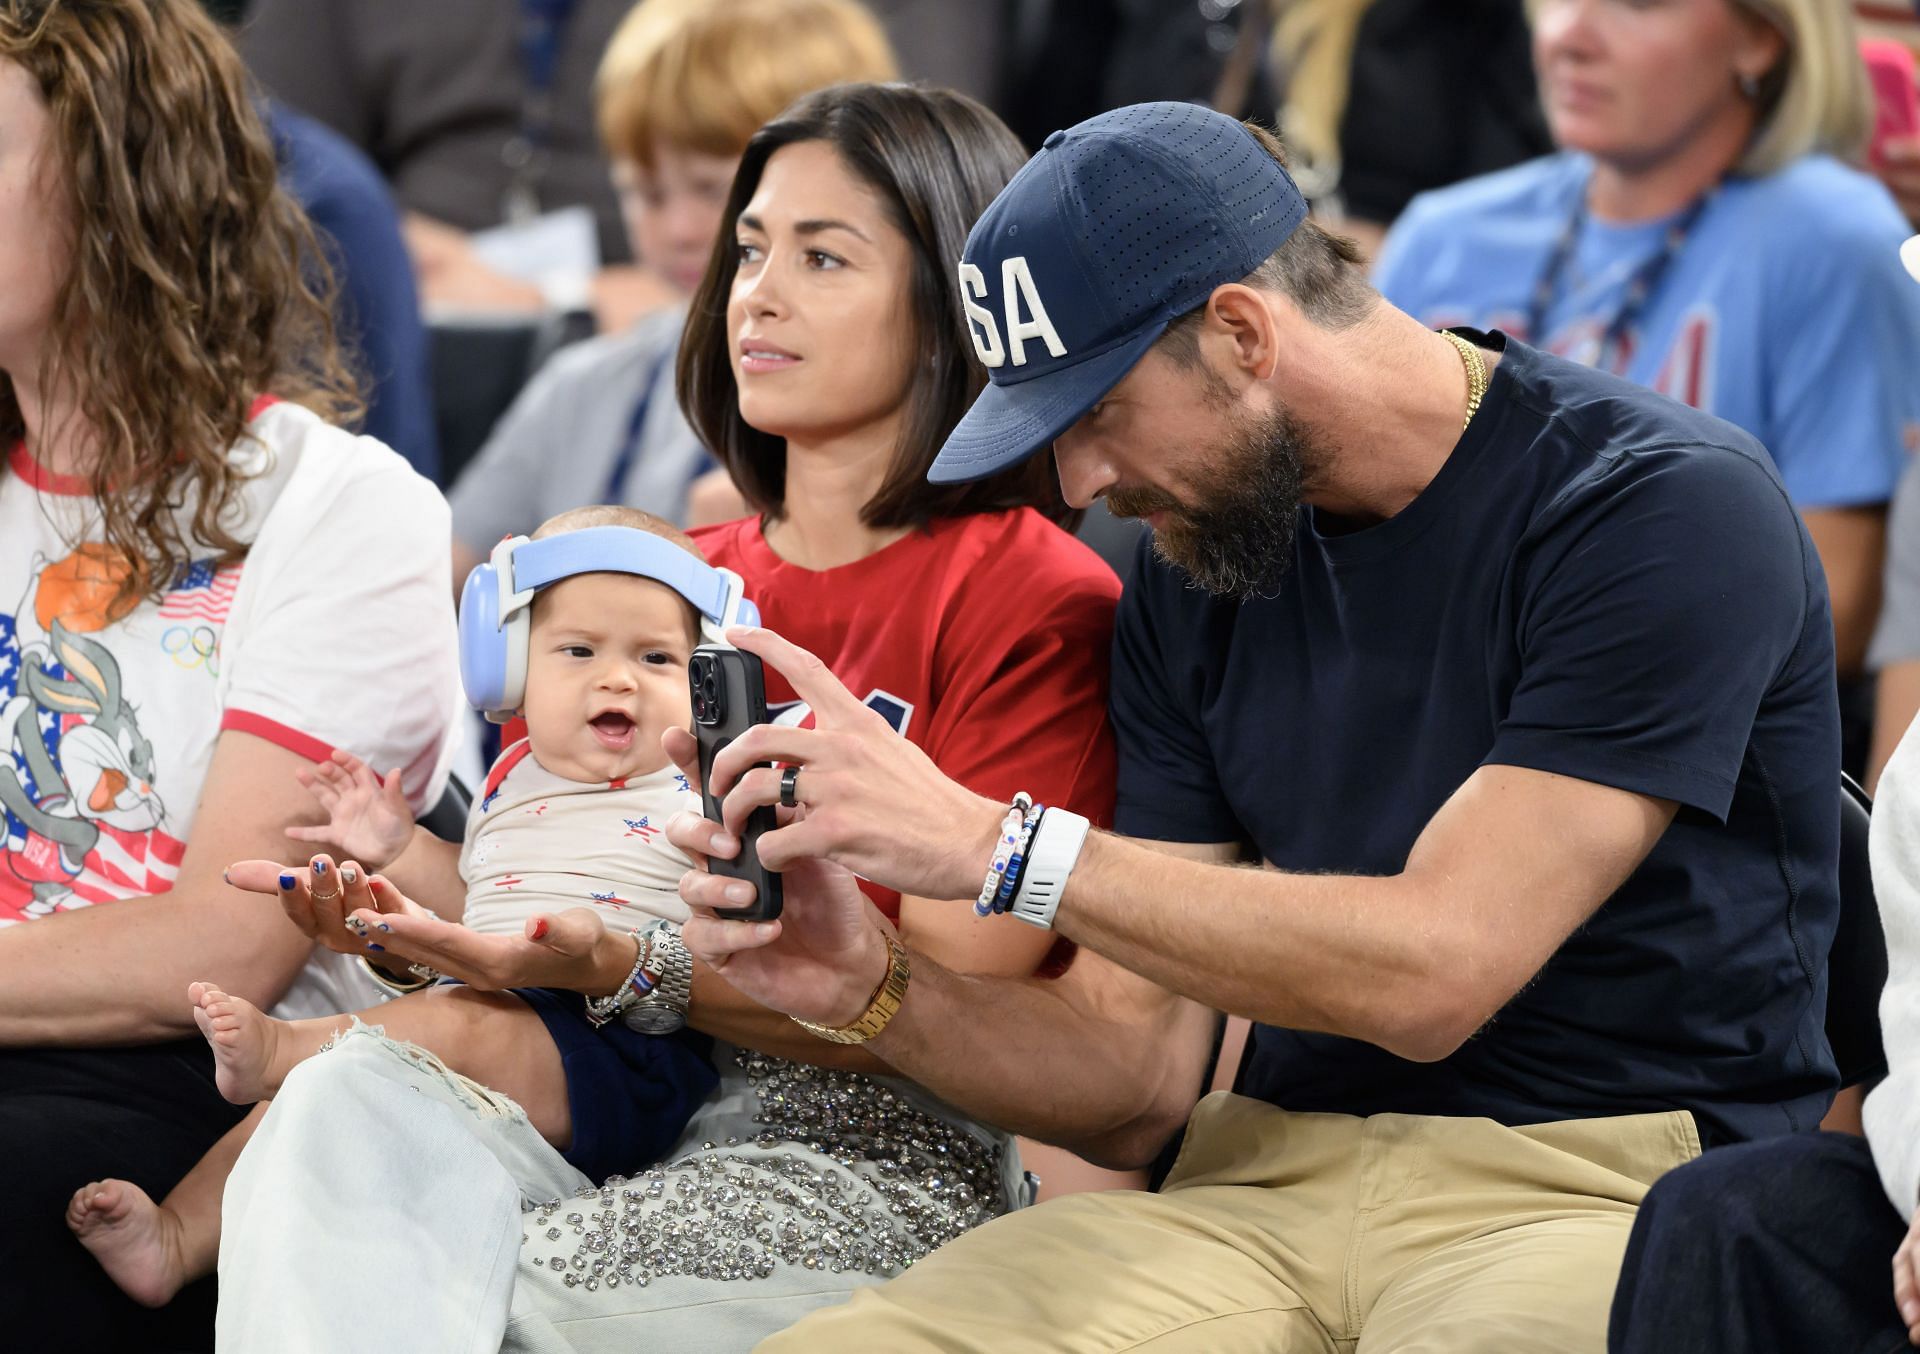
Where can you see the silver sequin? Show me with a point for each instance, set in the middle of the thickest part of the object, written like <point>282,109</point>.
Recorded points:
<point>901,1182</point>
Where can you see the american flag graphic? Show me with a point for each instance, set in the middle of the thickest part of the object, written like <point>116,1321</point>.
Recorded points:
<point>204,593</point>
<point>641,827</point>
<point>121,865</point>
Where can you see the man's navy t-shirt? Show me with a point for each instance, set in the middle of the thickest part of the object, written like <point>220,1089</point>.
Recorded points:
<point>1599,583</point>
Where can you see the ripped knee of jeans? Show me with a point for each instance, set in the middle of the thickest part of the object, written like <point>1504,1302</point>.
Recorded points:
<point>484,1101</point>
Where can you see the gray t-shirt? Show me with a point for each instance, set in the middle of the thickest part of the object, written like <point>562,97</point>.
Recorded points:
<point>558,446</point>
<point>1897,638</point>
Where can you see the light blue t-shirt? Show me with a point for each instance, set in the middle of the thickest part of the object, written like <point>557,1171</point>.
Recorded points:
<point>1786,311</point>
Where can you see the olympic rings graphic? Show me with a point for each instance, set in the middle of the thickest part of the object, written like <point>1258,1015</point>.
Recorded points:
<point>193,647</point>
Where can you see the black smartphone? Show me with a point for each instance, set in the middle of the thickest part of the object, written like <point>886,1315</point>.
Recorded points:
<point>730,697</point>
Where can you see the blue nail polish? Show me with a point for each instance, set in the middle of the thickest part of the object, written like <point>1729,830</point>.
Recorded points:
<point>385,927</point>
<point>286,881</point>
<point>372,946</point>
<point>319,867</point>
<point>226,876</point>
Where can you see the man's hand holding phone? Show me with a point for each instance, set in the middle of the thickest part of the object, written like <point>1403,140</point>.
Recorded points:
<point>867,801</point>
<point>874,801</point>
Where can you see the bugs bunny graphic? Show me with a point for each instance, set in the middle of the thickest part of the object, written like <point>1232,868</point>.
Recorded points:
<point>101,770</point>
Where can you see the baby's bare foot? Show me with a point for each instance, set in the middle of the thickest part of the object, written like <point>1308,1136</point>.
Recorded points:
<point>246,1044</point>
<point>135,1240</point>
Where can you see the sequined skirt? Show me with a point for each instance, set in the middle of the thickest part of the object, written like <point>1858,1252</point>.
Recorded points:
<point>793,1184</point>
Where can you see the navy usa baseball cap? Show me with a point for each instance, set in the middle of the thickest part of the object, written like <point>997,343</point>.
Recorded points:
<point>1111,230</point>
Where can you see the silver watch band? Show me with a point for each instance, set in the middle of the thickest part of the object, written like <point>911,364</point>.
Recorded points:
<point>1050,859</point>
<point>663,1010</point>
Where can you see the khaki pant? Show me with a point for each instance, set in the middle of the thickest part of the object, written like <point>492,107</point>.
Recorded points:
<point>1293,1232</point>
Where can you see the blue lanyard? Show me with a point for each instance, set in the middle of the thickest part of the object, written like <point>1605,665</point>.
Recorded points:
<point>1640,288</point>
<point>636,427</point>
<point>543,26</point>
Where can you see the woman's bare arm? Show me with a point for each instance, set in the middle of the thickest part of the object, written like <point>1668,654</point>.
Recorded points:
<point>117,973</point>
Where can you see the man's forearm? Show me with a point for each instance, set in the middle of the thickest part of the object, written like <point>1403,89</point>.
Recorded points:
<point>1340,954</point>
<point>1414,962</point>
<point>1110,1075</point>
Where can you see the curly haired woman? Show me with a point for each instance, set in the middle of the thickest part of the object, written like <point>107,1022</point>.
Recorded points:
<point>174,647</point>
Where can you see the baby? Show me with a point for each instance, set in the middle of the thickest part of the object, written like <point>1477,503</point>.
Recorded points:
<point>570,816</point>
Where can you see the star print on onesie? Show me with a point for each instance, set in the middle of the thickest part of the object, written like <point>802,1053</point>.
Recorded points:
<point>539,843</point>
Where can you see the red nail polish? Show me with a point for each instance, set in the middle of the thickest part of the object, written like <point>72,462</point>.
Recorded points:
<point>540,928</point>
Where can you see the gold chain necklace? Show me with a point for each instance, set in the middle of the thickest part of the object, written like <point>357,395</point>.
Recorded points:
<point>1476,365</point>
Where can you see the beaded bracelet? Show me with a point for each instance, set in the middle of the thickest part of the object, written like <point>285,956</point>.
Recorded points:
<point>1017,863</point>
<point>600,1010</point>
<point>1003,852</point>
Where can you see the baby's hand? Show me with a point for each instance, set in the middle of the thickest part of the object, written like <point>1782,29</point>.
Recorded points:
<point>368,822</point>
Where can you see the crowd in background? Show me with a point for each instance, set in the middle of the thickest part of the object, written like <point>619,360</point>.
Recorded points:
<point>565,110</point>
<point>518,210</point>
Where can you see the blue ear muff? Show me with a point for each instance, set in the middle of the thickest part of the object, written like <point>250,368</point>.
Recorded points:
<point>493,651</point>
<point>496,603</point>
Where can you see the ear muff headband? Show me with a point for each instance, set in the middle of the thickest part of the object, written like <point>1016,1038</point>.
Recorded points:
<point>497,601</point>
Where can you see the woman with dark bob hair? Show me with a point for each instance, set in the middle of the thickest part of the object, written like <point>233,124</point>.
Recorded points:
<point>204,584</point>
<point>825,360</point>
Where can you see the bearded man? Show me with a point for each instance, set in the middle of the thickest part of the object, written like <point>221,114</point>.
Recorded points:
<point>1517,679</point>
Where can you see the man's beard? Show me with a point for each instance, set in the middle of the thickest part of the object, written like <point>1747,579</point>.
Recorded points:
<point>1237,539</point>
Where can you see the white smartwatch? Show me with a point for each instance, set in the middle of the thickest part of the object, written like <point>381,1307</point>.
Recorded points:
<point>1050,859</point>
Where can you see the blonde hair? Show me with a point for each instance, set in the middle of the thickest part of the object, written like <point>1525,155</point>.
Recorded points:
<point>1816,98</point>
<point>705,74</point>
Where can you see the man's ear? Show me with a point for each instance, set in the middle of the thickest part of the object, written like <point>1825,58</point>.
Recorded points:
<point>1241,334</point>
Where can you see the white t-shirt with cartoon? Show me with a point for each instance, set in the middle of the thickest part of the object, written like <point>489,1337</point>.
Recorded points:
<point>537,842</point>
<point>335,630</point>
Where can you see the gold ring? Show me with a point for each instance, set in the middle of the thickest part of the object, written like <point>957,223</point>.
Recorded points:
<point>325,897</point>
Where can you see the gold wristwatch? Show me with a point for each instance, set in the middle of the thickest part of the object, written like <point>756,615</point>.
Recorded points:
<point>880,1010</point>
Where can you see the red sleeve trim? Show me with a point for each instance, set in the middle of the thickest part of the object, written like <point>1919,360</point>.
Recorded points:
<point>260,406</point>
<point>305,745</point>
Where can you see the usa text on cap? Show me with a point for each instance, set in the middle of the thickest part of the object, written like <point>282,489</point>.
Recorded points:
<point>1111,230</point>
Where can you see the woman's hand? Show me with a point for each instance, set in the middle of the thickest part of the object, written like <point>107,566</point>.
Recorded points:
<point>368,821</point>
<point>821,960</point>
<point>361,914</point>
<point>876,804</point>
<point>321,918</point>
<point>572,950</point>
